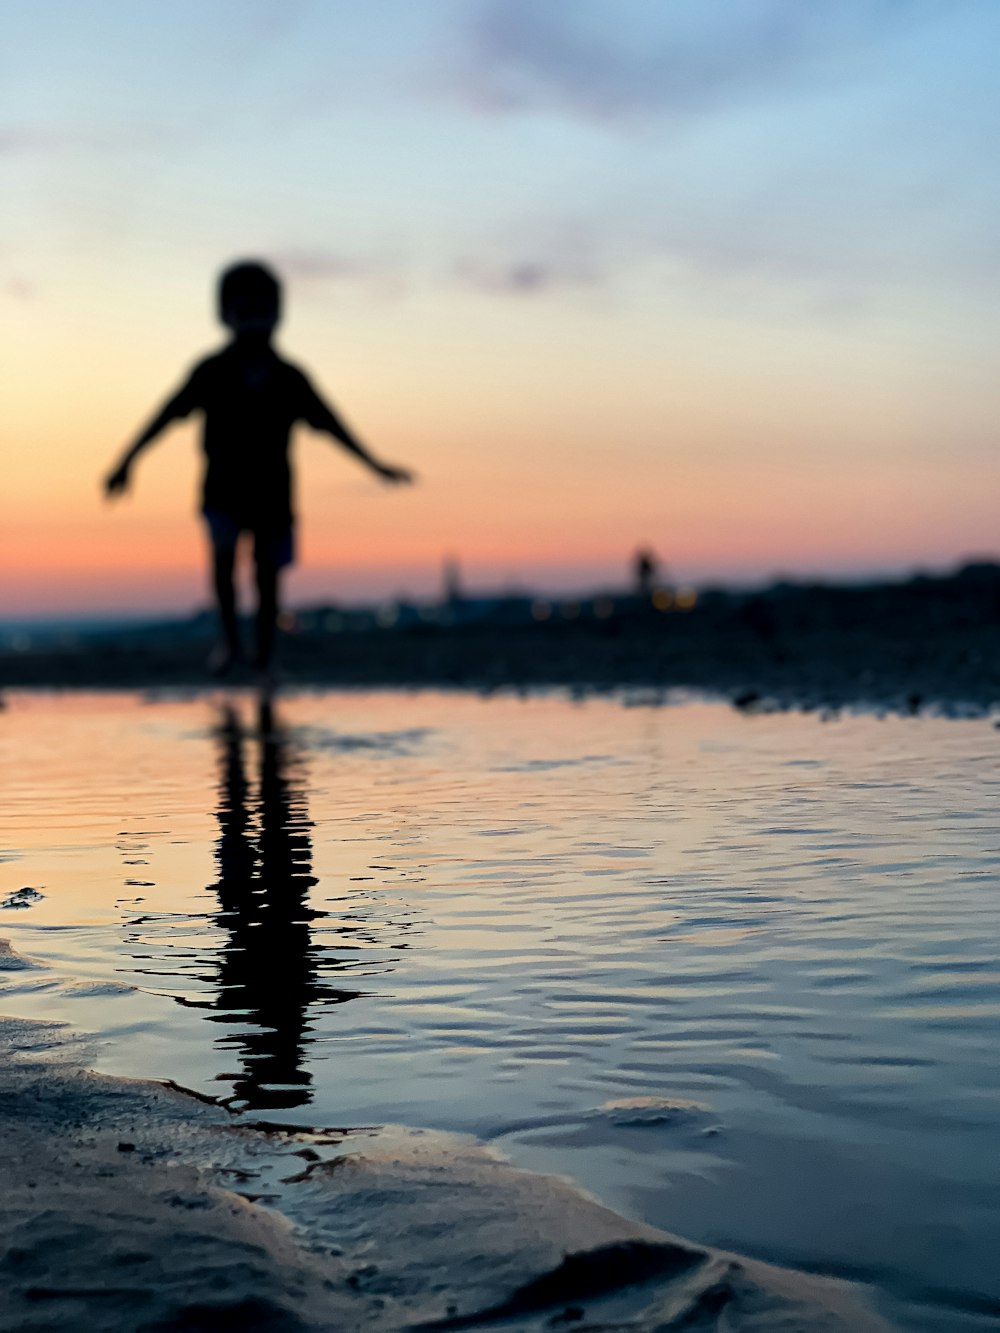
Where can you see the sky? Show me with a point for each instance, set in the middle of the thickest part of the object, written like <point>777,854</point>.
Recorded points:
<point>715,276</point>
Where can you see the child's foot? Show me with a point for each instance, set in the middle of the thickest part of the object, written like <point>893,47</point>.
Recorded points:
<point>266,678</point>
<point>222,660</point>
<point>267,684</point>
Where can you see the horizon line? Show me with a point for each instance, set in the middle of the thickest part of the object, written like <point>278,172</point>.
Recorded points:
<point>135,615</point>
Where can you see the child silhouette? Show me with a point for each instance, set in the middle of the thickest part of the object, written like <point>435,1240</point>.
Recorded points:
<point>250,398</point>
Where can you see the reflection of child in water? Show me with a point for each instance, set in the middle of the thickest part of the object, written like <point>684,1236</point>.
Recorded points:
<point>250,398</point>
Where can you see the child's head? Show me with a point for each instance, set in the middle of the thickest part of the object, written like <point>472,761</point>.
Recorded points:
<point>249,298</point>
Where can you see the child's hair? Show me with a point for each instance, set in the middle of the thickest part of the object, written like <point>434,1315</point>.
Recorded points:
<point>250,288</point>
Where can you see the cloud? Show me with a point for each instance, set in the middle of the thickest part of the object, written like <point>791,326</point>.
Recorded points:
<point>315,268</point>
<point>532,274</point>
<point>18,288</point>
<point>833,241</point>
<point>69,141</point>
<point>267,21</point>
<point>851,200</point>
<point>529,262</point>
<point>622,60</point>
<point>16,139</point>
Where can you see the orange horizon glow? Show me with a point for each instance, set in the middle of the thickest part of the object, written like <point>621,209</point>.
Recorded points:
<point>536,499</point>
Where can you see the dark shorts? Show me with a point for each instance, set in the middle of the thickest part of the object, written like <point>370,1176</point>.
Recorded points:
<point>276,549</point>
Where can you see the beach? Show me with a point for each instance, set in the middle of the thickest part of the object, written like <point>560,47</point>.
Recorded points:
<point>499,668</point>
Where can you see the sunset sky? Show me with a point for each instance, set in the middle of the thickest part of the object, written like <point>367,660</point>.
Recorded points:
<point>719,276</point>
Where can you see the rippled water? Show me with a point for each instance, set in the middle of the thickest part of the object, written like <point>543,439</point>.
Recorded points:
<point>738,976</point>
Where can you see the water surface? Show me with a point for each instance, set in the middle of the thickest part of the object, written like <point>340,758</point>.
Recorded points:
<point>738,976</point>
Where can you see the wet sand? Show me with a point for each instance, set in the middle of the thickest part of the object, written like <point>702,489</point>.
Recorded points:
<point>134,1206</point>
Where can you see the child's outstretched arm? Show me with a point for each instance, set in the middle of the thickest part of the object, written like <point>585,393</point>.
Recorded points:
<point>180,405</point>
<point>321,416</point>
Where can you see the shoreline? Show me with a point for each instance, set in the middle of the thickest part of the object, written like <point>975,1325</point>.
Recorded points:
<point>901,666</point>
<point>136,1206</point>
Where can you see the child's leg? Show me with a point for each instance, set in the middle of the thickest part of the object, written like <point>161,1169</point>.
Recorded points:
<point>267,609</point>
<point>271,554</point>
<point>223,569</point>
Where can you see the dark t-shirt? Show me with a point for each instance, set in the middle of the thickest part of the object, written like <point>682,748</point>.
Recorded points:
<point>250,408</point>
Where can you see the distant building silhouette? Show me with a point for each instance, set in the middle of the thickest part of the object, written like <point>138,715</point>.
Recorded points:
<point>452,582</point>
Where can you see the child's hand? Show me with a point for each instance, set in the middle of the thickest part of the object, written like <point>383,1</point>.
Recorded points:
<point>116,483</point>
<point>396,475</point>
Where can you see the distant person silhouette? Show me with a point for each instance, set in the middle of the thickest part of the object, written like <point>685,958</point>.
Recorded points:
<point>645,568</point>
<point>251,397</point>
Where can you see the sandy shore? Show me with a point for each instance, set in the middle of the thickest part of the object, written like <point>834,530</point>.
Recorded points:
<point>135,1206</point>
<point>925,644</point>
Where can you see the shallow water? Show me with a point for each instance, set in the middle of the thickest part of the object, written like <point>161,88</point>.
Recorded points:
<point>737,976</point>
